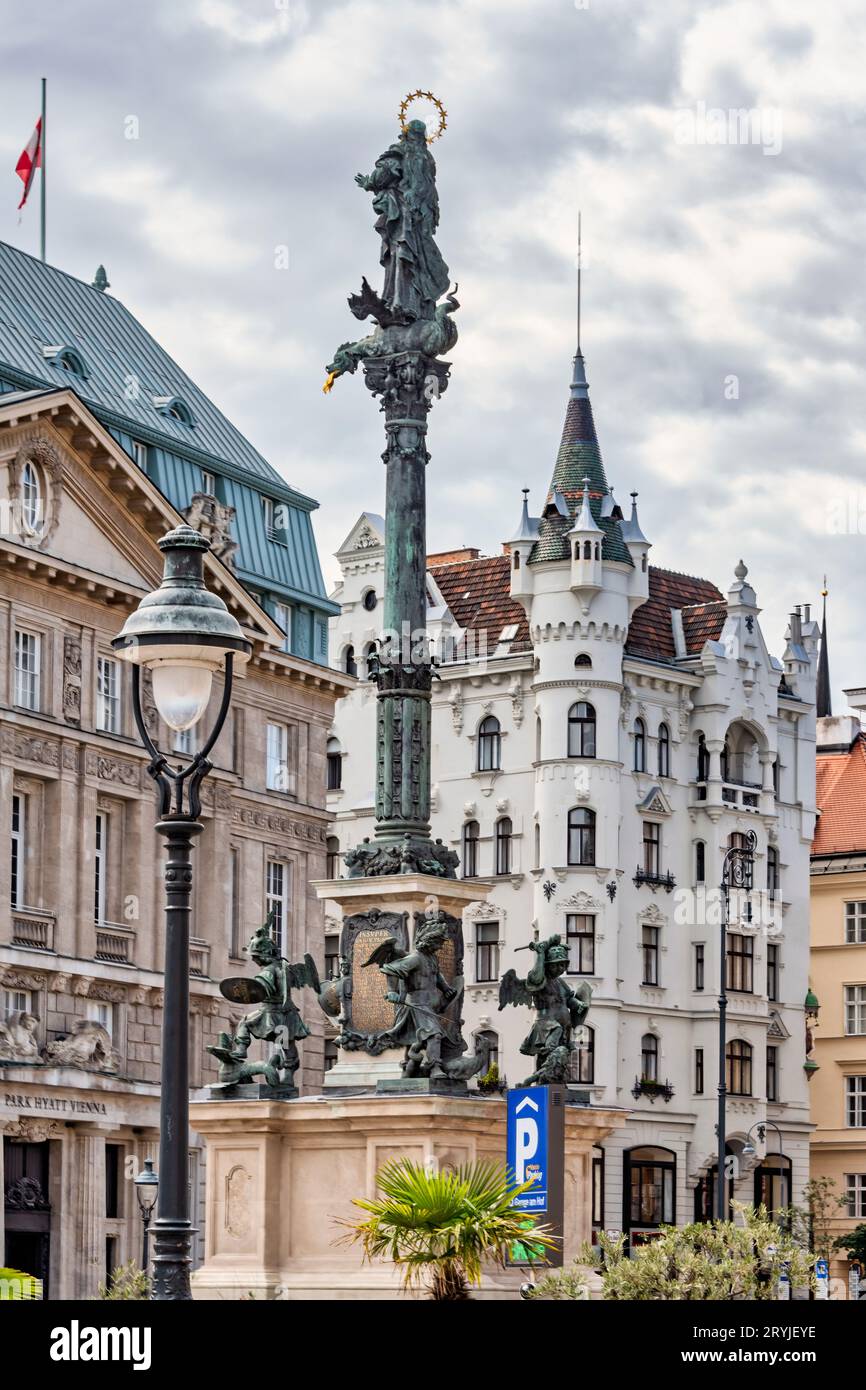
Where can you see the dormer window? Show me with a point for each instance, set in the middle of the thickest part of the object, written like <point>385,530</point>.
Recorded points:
<point>67,357</point>
<point>175,409</point>
<point>273,515</point>
<point>208,483</point>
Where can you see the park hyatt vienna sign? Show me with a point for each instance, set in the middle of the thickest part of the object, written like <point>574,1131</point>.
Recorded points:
<point>55,1103</point>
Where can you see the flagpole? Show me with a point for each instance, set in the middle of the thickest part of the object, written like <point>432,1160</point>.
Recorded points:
<point>42,184</point>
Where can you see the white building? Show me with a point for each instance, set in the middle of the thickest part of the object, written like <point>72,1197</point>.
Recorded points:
<point>602,729</point>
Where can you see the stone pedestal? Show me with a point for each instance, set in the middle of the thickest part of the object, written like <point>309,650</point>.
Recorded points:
<point>281,1177</point>
<point>359,1071</point>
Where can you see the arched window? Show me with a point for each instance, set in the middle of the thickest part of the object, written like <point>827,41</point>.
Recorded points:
<point>516,560</point>
<point>703,759</point>
<point>538,738</point>
<point>489,1040</point>
<point>577,550</point>
<point>738,1067</point>
<point>583,659</point>
<point>649,1181</point>
<point>31,497</point>
<point>332,852</point>
<point>349,662</point>
<point>597,551</point>
<point>537,838</point>
<point>470,849</point>
<point>581,836</point>
<point>773,1183</point>
<point>726,762</point>
<point>664,751</point>
<point>700,862</point>
<point>582,1068</point>
<point>503,845</point>
<point>772,869</point>
<point>587,550</point>
<point>335,765</point>
<point>649,1057</point>
<point>489,744</point>
<point>581,730</point>
<point>369,600</point>
<point>371,650</point>
<point>639,746</point>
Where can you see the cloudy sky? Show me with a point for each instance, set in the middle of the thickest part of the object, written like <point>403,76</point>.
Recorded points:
<point>723,287</point>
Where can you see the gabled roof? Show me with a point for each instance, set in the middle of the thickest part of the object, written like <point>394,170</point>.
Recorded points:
<point>841,799</point>
<point>42,308</point>
<point>478,593</point>
<point>579,456</point>
<point>651,632</point>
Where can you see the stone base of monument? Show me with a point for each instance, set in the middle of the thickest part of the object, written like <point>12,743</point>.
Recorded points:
<point>251,1090</point>
<point>355,1072</point>
<point>422,1086</point>
<point>282,1176</point>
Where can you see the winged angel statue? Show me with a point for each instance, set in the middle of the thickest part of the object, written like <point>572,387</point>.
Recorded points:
<point>423,1022</point>
<point>559,1010</point>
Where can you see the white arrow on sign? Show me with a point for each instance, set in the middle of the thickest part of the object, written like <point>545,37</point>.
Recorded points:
<point>527,1100</point>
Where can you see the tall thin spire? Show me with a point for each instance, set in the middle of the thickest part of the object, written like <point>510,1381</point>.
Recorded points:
<point>824,704</point>
<point>579,269</point>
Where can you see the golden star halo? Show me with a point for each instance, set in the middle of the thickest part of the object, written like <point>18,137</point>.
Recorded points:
<point>424,96</point>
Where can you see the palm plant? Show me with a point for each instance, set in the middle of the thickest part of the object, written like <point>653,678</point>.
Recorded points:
<point>440,1227</point>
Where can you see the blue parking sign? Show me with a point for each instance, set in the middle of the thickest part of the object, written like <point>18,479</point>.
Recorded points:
<point>526,1146</point>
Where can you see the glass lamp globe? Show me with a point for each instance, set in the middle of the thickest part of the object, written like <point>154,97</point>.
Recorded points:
<point>182,632</point>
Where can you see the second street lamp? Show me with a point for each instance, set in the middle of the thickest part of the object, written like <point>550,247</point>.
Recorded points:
<point>738,870</point>
<point>146,1187</point>
<point>182,633</point>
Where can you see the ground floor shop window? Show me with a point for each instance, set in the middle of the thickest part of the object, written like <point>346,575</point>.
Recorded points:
<point>650,1176</point>
<point>773,1183</point>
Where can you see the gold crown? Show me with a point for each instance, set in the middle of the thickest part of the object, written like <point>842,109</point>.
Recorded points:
<point>424,96</point>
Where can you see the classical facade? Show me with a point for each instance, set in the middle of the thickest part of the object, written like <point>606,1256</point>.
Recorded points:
<point>104,446</point>
<point>838,970</point>
<point>603,731</point>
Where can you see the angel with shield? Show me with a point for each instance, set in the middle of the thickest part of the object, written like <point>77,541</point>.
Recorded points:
<point>422,995</point>
<point>559,1010</point>
<point>275,1018</point>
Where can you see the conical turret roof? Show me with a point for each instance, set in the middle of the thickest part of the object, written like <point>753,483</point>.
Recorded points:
<point>579,456</point>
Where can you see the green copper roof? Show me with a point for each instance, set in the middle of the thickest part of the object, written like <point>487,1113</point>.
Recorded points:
<point>579,457</point>
<point>129,383</point>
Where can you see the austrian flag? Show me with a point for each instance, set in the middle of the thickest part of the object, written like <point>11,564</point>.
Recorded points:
<point>29,161</point>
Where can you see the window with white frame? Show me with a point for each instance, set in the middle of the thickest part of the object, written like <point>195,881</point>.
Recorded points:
<point>855,1102</point>
<point>28,652</point>
<point>139,454</point>
<point>31,498</point>
<point>580,939</point>
<point>855,1010</point>
<point>280,763</point>
<point>486,951</point>
<point>283,615</point>
<point>208,483</point>
<point>855,924</point>
<point>100,1012</point>
<point>182,742</point>
<point>18,851</point>
<point>107,695</point>
<point>855,1192</point>
<point>274,515</point>
<point>17,1001</point>
<point>100,867</point>
<point>277,900</point>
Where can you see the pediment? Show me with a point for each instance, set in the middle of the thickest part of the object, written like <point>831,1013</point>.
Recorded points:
<point>775,1026</point>
<point>102,515</point>
<point>368,533</point>
<point>655,802</point>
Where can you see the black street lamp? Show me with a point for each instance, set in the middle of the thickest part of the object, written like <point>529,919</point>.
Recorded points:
<point>737,872</point>
<point>182,634</point>
<point>146,1187</point>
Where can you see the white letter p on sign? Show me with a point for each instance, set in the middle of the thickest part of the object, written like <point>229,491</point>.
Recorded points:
<point>526,1144</point>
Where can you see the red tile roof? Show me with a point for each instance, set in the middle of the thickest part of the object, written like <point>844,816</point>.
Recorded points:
<point>478,592</point>
<point>651,631</point>
<point>841,796</point>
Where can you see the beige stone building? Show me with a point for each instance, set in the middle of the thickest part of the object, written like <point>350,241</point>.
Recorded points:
<point>838,964</point>
<point>81,887</point>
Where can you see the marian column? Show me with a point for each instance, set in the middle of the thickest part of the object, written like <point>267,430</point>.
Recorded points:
<point>401,900</point>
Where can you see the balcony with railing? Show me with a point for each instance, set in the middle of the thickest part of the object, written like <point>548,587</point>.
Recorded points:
<point>33,929</point>
<point>115,944</point>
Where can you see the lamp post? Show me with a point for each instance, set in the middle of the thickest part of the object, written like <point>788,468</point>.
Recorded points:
<point>146,1188</point>
<point>182,633</point>
<point>737,872</point>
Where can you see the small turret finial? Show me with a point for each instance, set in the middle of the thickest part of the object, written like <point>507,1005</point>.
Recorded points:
<point>101,281</point>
